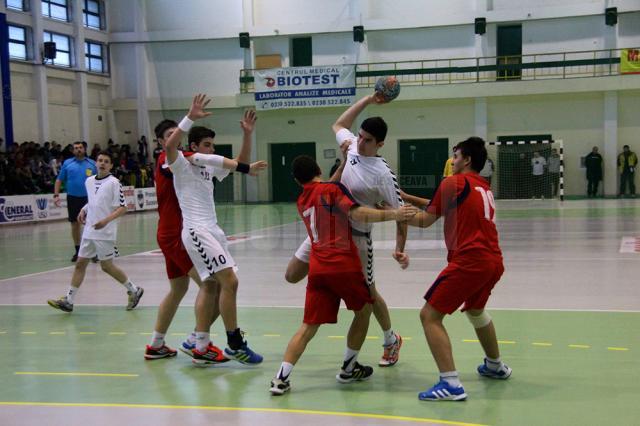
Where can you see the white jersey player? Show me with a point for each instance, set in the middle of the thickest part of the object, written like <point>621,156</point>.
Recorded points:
<point>372,182</point>
<point>203,239</point>
<point>105,205</point>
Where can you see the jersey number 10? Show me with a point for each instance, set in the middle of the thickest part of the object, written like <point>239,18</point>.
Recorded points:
<point>489,203</point>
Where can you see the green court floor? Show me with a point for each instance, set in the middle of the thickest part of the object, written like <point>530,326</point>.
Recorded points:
<point>569,367</point>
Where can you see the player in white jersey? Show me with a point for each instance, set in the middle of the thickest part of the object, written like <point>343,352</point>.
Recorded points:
<point>105,205</point>
<point>372,183</point>
<point>203,239</point>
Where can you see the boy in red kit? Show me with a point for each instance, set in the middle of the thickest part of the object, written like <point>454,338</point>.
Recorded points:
<point>335,271</point>
<point>475,266</point>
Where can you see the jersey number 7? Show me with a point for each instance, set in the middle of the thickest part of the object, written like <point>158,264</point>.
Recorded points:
<point>311,214</point>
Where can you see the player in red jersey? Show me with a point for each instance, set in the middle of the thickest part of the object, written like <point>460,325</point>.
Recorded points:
<point>335,271</point>
<point>178,264</point>
<point>474,267</point>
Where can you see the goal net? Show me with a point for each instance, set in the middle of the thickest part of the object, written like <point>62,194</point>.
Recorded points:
<point>525,169</point>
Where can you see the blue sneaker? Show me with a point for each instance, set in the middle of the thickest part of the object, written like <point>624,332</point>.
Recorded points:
<point>502,373</point>
<point>243,355</point>
<point>187,348</point>
<point>442,391</point>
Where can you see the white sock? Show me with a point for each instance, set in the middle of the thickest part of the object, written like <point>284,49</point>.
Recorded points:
<point>451,377</point>
<point>389,337</point>
<point>192,338</point>
<point>493,364</point>
<point>71,293</point>
<point>285,371</point>
<point>350,358</point>
<point>202,341</point>
<point>157,339</point>
<point>130,286</point>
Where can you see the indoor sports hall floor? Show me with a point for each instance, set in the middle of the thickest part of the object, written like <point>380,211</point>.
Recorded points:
<point>567,312</point>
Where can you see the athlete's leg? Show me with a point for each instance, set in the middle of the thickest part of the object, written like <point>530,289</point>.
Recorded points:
<point>169,305</point>
<point>486,334</point>
<point>437,338</point>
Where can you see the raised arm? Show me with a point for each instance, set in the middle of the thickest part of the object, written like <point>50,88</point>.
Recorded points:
<point>247,124</point>
<point>196,112</point>
<point>226,163</point>
<point>369,215</point>
<point>345,121</point>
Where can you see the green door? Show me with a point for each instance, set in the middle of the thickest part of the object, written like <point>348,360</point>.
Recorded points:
<point>513,166</point>
<point>301,52</point>
<point>421,165</point>
<point>283,187</point>
<point>509,52</point>
<point>223,191</point>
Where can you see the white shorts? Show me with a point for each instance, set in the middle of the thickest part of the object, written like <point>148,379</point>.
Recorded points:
<point>104,249</point>
<point>208,250</point>
<point>365,248</point>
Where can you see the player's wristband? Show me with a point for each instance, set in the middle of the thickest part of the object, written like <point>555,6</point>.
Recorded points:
<point>185,124</point>
<point>243,168</point>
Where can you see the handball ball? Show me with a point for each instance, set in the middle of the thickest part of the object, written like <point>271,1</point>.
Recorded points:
<point>389,87</point>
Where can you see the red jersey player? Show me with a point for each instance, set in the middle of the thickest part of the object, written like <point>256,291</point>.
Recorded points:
<point>335,272</point>
<point>475,266</point>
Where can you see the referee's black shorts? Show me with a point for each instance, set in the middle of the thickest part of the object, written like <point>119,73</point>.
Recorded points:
<point>74,205</point>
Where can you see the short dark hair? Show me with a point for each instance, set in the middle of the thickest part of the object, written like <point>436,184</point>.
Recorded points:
<point>473,148</point>
<point>376,127</point>
<point>198,133</point>
<point>305,169</point>
<point>106,154</point>
<point>163,126</point>
<point>626,146</point>
<point>83,143</point>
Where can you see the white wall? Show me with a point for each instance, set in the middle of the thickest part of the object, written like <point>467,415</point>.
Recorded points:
<point>170,15</point>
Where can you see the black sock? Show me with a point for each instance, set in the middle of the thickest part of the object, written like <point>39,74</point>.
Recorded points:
<point>77,250</point>
<point>234,339</point>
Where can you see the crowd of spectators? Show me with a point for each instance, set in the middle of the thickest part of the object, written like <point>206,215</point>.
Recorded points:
<point>31,168</point>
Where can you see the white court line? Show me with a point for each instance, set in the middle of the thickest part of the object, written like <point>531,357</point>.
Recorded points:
<point>624,311</point>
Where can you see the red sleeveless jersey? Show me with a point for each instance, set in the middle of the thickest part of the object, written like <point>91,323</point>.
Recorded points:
<point>170,221</point>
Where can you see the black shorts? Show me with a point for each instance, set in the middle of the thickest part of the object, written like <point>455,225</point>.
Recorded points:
<point>74,205</point>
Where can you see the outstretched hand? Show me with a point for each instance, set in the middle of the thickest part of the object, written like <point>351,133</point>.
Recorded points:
<point>257,167</point>
<point>197,109</point>
<point>406,213</point>
<point>248,122</point>
<point>378,98</point>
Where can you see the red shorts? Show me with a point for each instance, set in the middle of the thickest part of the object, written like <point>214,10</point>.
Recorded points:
<point>176,258</point>
<point>324,292</point>
<point>467,281</point>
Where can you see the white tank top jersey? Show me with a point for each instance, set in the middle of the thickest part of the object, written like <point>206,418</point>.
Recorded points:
<point>104,196</point>
<point>370,179</point>
<point>194,189</point>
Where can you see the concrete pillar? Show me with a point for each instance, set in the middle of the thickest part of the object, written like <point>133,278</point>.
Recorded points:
<point>81,76</point>
<point>40,74</point>
<point>250,184</point>
<point>481,126</point>
<point>610,153</point>
<point>144,127</point>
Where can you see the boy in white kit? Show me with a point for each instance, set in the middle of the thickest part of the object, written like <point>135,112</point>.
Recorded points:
<point>106,204</point>
<point>203,239</point>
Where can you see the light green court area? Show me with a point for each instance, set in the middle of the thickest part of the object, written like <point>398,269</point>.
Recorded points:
<point>569,368</point>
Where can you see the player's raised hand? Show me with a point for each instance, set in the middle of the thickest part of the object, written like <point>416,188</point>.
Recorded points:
<point>197,110</point>
<point>257,167</point>
<point>401,258</point>
<point>406,212</point>
<point>378,98</point>
<point>248,122</point>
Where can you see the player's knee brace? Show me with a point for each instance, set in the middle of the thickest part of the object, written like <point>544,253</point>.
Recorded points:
<point>479,321</point>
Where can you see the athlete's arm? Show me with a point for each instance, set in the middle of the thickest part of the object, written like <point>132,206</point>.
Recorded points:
<point>195,112</point>
<point>226,163</point>
<point>423,220</point>
<point>345,121</point>
<point>120,211</point>
<point>368,215</point>
<point>247,124</point>
<point>337,175</point>
<point>416,201</point>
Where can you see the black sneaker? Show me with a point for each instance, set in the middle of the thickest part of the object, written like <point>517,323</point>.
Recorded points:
<point>279,386</point>
<point>74,258</point>
<point>134,298</point>
<point>359,373</point>
<point>62,304</point>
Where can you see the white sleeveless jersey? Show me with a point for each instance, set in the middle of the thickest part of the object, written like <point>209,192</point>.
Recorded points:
<point>369,179</point>
<point>194,189</point>
<point>104,196</point>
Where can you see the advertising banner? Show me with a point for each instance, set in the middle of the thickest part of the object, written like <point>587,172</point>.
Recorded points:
<point>305,87</point>
<point>146,199</point>
<point>630,61</point>
<point>17,208</point>
<point>46,209</point>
